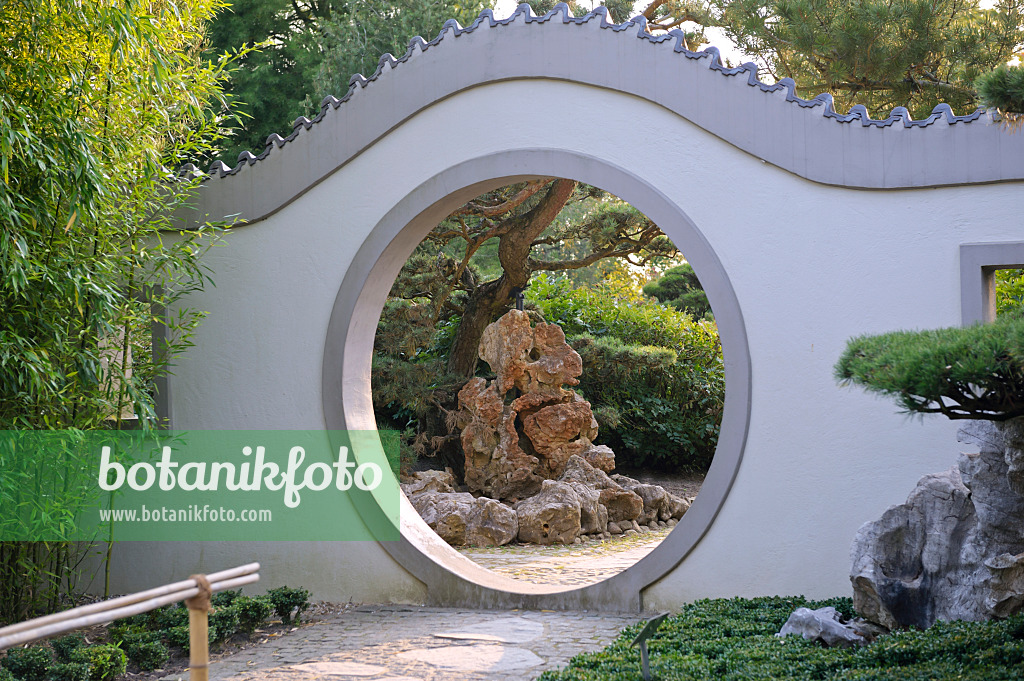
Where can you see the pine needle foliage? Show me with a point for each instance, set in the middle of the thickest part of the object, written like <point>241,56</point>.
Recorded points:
<point>878,53</point>
<point>975,372</point>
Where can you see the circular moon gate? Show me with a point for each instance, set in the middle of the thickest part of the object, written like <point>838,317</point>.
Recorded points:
<point>450,578</point>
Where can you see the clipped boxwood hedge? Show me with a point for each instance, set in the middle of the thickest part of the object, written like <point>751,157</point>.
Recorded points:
<point>734,640</point>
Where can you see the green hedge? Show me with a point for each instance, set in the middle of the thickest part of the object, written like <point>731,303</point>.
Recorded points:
<point>734,640</point>
<point>653,375</point>
<point>975,372</point>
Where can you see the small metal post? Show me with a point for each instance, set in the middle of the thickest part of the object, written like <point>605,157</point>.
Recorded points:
<point>641,640</point>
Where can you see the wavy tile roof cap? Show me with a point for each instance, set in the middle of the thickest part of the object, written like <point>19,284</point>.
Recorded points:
<point>710,58</point>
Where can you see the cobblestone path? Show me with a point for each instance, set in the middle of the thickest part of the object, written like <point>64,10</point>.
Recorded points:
<point>573,565</point>
<point>404,643</point>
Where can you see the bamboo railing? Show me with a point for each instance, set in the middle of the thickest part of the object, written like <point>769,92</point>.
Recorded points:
<point>195,591</point>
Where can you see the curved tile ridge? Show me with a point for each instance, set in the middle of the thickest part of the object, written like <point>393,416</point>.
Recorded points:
<point>802,136</point>
<point>561,11</point>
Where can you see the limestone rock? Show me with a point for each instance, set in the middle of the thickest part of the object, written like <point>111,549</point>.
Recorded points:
<point>505,345</point>
<point>622,504</point>
<point>557,432</point>
<point>552,516</point>
<point>593,516</point>
<point>429,481</point>
<point>557,364</point>
<point>822,625</point>
<point>659,504</point>
<point>462,519</point>
<point>512,445</point>
<point>495,463</point>
<point>955,549</point>
<point>601,457</point>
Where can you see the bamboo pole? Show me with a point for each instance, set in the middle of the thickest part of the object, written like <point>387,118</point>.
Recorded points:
<point>198,630</point>
<point>124,606</point>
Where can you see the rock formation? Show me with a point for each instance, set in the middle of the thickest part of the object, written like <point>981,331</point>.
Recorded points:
<point>955,549</point>
<point>529,447</point>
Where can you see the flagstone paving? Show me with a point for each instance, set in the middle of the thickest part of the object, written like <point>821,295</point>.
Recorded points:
<point>406,643</point>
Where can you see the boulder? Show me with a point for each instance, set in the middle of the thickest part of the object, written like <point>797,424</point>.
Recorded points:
<point>593,516</point>
<point>429,481</point>
<point>601,457</point>
<point>955,549</point>
<point>659,504</point>
<point>464,520</point>
<point>822,625</point>
<point>622,504</point>
<point>552,516</point>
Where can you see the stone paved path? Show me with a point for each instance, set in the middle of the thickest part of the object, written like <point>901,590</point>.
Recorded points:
<point>573,565</point>
<point>405,643</point>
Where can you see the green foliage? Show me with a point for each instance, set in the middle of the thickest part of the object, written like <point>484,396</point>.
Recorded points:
<point>1003,89</point>
<point>179,637</point>
<point>68,671</point>
<point>655,372</point>
<point>680,288</point>
<point>252,611</point>
<point>1009,291</point>
<point>310,48</point>
<point>27,664</point>
<point>65,645</point>
<point>106,662</point>
<point>100,102</point>
<point>6,675</point>
<point>225,620</point>
<point>289,604</point>
<point>223,599</point>
<point>963,373</point>
<point>168,617</point>
<point>879,53</point>
<point>148,655</point>
<point>734,640</point>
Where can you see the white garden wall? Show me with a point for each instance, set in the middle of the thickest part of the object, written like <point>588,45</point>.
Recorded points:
<point>805,227</point>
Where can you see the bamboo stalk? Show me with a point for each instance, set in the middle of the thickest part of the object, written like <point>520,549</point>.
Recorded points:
<point>133,604</point>
<point>198,645</point>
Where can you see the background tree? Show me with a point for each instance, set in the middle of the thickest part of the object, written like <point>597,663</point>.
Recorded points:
<point>879,53</point>
<point>679,287</point>
<point>310,49</point>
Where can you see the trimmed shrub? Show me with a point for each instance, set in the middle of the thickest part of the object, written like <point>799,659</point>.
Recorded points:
<point>69,671</point>
<point>225,621</point>
<point>125,634</point>
<point>168,617</point>
<point>65,645</point>
<point>963,373</point>
<point>289,603</point>
<point>178,637</point>
<point>105,662</point>
<point>148,655</point>
<point>224,599</point>
<point>679,287</point>
<point>27,664</point>
<point>734,640</point>
<point>6,675</point>
<point>252,612</point>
